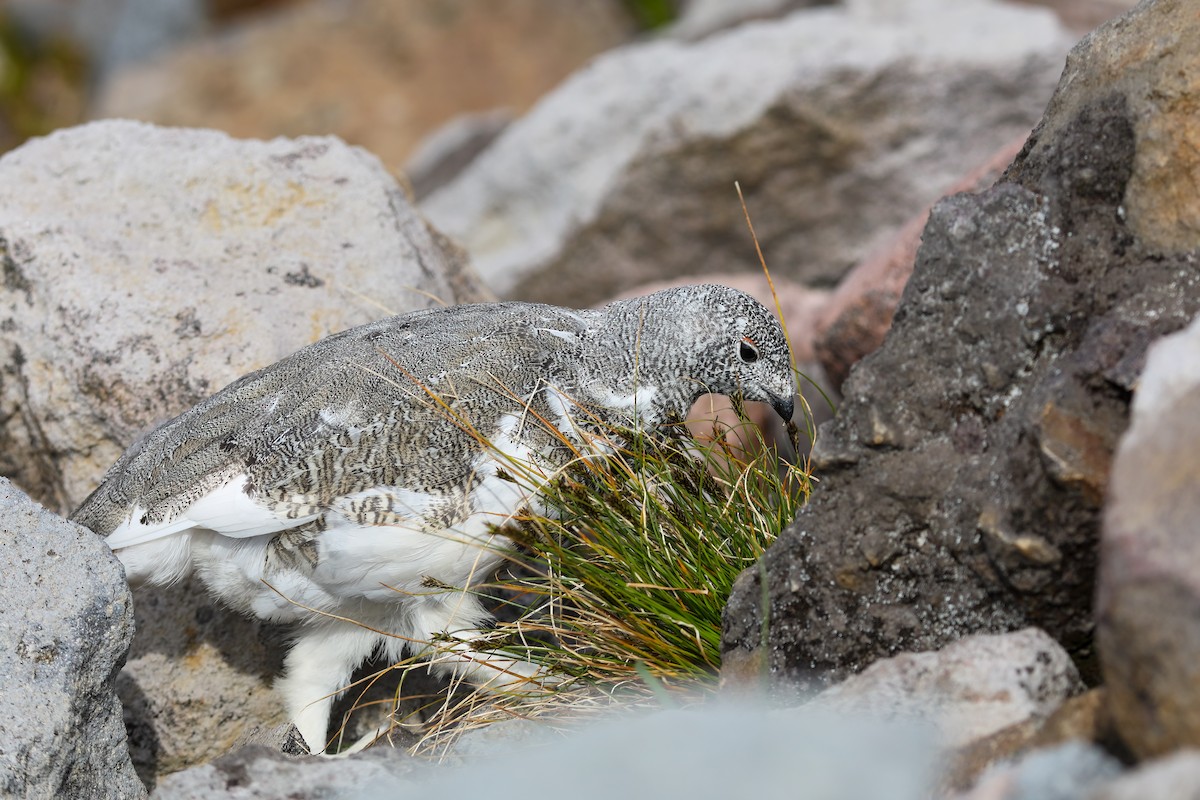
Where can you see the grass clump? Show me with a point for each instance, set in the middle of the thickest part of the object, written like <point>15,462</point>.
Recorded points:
<point>618,592</point>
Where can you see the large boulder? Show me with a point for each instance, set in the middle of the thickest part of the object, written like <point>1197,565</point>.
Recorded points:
<point>65,625</point>
<point>144,268</point>
<point>840,123</point>
<point>962,480</point>
<point>1148,600</point>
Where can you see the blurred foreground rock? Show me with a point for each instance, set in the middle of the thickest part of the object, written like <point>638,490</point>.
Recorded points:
<point>716,751</point>
<point>378,73</point>
<point>65,625</point>
<point>1079,719</point>
<point>838,125</point>
<point>259,773</point>
<point>1070,771</point>
<point>144,268</point>
<point>962,481</point>
<point>1176,776</point>
<point>899,716</point>
<point>1148,603</point>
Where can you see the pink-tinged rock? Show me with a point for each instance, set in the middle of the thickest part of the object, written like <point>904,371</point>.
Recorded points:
<point>1148,597</point>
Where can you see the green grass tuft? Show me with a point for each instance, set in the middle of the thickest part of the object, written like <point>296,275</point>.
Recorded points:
<point>618,592</point>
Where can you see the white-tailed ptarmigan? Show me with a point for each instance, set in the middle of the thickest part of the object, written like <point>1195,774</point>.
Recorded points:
<point>362,475</point>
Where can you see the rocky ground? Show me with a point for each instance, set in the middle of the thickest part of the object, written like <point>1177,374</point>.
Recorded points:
<point>994,591</point>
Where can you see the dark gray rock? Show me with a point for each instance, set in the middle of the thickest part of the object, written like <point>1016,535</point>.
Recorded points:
<point>66,621</point>
<point>961,482</point>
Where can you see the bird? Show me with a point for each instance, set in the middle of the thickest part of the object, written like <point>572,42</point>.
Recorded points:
<point>359,487</point>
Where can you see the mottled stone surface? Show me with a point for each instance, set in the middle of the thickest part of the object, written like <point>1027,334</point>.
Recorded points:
<point>65,625</point>
<point>961,483</point>
<point>859,312</point>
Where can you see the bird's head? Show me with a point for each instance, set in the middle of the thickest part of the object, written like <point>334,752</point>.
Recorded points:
<point>707,338</point>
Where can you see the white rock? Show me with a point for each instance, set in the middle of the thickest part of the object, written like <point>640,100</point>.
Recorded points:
<point>1148,582</point>
<point>838,126</point>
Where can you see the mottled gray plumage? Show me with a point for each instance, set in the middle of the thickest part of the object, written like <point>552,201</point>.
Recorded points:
<point>361,467</point>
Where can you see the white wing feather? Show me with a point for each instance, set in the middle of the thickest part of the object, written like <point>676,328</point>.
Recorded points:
<point>226,510</point>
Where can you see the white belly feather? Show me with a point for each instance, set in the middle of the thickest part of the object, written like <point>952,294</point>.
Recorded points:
<point>226,536</point>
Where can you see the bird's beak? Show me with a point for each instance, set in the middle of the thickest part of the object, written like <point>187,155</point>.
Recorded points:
<point>784,406</point>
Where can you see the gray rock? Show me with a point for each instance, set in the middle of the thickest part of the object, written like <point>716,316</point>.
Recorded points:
<point>961,482</point>
<point>65,625</point>
<point>967,690</point>
<point>259,773</point>
<point>1148,598</point>
<point>838,125</point>
<point>1176,776</point>
<point>143,268</point>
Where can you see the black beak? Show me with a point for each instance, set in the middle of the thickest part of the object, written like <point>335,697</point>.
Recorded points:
<point>784,407</point>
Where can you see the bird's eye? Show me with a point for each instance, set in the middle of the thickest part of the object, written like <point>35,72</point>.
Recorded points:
<point>748,352</point>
